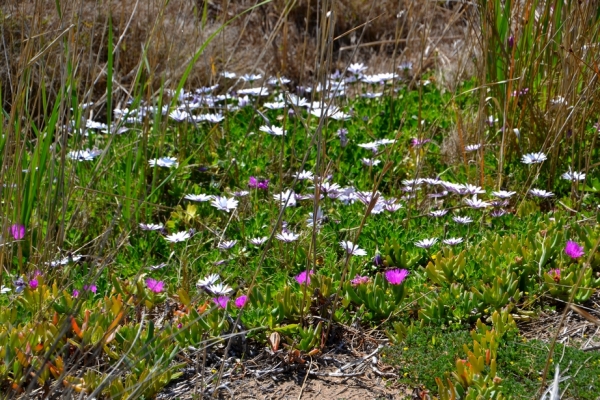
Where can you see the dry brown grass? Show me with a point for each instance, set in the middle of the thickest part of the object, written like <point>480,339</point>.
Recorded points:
<point>277,38</point>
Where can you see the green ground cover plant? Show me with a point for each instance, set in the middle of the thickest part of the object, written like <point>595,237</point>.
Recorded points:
<point>191,217</point>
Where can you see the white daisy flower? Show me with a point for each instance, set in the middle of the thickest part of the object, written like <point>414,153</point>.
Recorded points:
<point>159,266</point>
<point>227,244</point>
<point>573,176</point>
<point>472,189</point>
<point>392,207</point>
<point>209,280</point>
<point>498,213</point>
<point>352,248</point>
<point>228,75</point>
<point>370,162</point>
<point>438,213</point>
<point>426,243</point>
<point>277,105</point>
<point>287,237</point>
<point>462,220</point>
<point>260,91</point>
<point>95,125</point>
<point>278,81</point>
<point>198,197</point>
<point>212,118</point>
<point>179,115</point>
<point>166,162</point>
<point>219,289</point>
<point>251,77</point>
<point>476,203</point>
<point>272,130</point>
<point>286,198</point>
<point>223,203</point>
<point>502,194</point>
<point>297,101</point>
<point>304,175</point>
<point>84,155</point>
<point>66,260</point>
<point>373,146</point>
<point>533,158</point>
<point>151,227</point>
<point>541,193</point>
<point>357,68</point>
<point>472,147</point>
<point>178,237</point>
<point>453,241</point>
<point>258,241</point>
<point>431,181</point>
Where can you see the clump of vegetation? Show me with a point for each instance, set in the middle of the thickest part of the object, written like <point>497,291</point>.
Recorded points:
<point>199,217</point>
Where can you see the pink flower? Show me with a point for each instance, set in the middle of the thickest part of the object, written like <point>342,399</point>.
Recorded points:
<point>221,301</point>
<point>17,231</point>
<point>573,250</point>
<point>241,301</point>
<point>154,285</point>
<point>555,274</point>
<point>304,277</point>
<point>396,276</point>
<point>33,284</point>
<point>253,182</point>
<point>75,293</point>
<point>91,288</point>
<point>359,280</point>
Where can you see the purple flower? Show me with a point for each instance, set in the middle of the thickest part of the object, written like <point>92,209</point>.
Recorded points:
<point>33,284</point>
<point>253,182</point>
<point>396,276</point>
<point>17,231</point>
<point>19,285</point>
<point>263,184</point>
<point>304,277</point>
<point>154,285</point>
<point>573,250</point>
<point>359,280</point>
<point>378,260</point>
<point>511,41</point>
<point>91,288</point>
<point>419,142</point>
<point>221,301</point>
<point>75,293</point>
<point>241,301</point>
